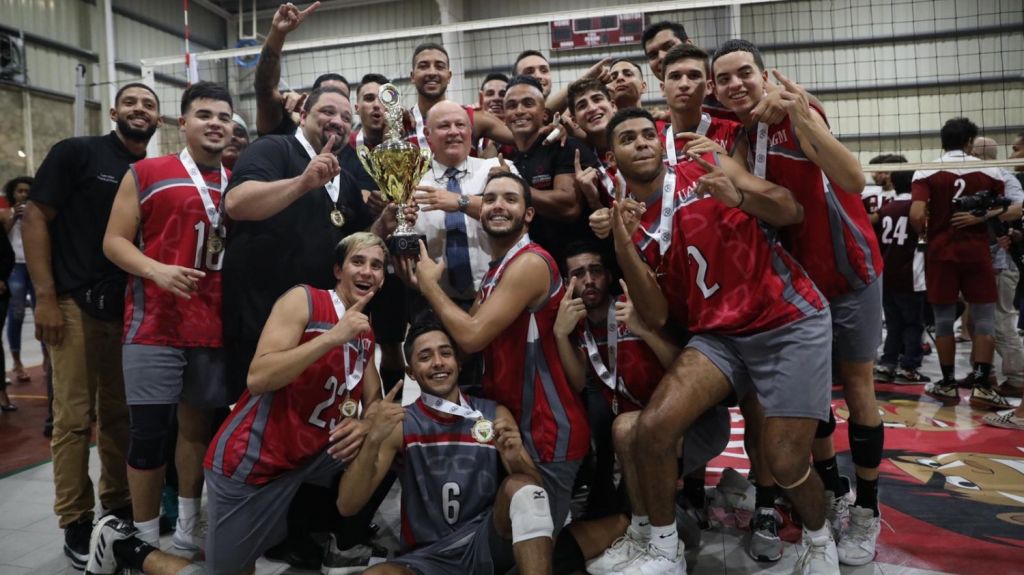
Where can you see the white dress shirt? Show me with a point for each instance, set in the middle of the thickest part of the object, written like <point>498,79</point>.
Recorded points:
<point>472,177</point>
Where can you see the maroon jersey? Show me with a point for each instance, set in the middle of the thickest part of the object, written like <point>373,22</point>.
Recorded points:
<point>523,371</point>
<point>899,244</point>
<point>939,188</point>
<point>638,368</point>
<point>741,280</point>
<point>723,132</point>
<point>835,243</point>
<point>271,433</point>
<point>174,229</point>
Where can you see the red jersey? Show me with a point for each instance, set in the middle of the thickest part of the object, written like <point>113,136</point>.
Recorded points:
<point>740,279</point>
<point>272,433</point>
<point>523,371</point>
<point>723,132</point>
<point>835,243</point>
<point>174,229</point>
<point>638,368</point>
<point>939,188</point>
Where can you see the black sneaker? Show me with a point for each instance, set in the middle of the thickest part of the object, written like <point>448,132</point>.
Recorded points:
<point>884,374</point>
<point>76,542</point>
<point>355,559</point>
<point>299,552</point>
<point>911,376</point>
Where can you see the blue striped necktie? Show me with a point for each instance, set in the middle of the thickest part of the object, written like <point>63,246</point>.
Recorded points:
<point>456,245</point>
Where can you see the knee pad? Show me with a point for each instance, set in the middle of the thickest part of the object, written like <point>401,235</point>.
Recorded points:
<point>866,445</point>
<point>945,316</point>
<point>825,428</point>
<point>530,513</point>
<point>150,435</point>
<point>984,318</point>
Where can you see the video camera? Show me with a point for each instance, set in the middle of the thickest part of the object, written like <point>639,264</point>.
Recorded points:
<point>980,203</point>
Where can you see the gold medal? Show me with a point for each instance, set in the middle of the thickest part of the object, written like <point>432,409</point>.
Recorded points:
<point>214,244</point>
<point>349,408</point>
<point>337,218</point>
<point>483,431</point>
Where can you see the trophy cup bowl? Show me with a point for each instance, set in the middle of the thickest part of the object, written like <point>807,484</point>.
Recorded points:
<point>397,166</point>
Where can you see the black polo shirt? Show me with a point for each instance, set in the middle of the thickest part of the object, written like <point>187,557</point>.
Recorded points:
<point>539,165</point>
<point>350,163</point>
<point>295,246</point>
<point>79,178</point>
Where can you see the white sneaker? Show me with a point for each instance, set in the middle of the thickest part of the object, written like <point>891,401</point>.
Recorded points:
<point>838,511</point>
<point>187,539</point>
<point>652,562</point>
<point>819,557</point>
<point>101,544</point>
<point>625,550</point>
<point>857,546</point>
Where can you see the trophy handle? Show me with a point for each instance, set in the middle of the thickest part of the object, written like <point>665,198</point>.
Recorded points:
<point>363,153</point>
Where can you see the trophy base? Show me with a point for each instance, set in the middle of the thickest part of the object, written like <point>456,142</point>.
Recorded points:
<point>405,244</point>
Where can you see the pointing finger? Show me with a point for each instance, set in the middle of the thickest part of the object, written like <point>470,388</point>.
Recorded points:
<point>391,395</point>
<point>312,7</point>
<point>359,305</point>
<point>625,288</point>
<point>702,162</point>
<point>501,161</point>
<point>789,84</point>
<point>328,146</point>
<point>579,168</point>
<point>570,289</point>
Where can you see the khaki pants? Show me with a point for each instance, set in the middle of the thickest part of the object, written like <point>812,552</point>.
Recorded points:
<point>1008,343</point>
<point>88,384</point>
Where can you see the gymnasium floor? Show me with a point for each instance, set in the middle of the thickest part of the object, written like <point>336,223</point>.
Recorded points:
<point>952,491</point>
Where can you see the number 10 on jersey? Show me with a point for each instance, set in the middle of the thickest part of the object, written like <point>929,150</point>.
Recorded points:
<point>206,259</point>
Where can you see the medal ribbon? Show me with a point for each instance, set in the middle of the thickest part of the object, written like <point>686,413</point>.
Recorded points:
<point>333,186</point>
<point>608,377</point>
<point>670,138</point>
<point>359,138</point>
<point>760,159</point>
<point>462,409</point>
<point>518,247</point>
<point>353,374</point>
<point>668,189</point>
<point>421,139</point>
<point>212,210</point>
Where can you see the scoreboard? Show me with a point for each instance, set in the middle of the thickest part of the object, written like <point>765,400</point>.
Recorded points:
<point>598,31</point>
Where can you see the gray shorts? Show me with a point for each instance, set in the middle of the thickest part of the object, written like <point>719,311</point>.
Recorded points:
<point>789,367</point>
<point>475,548</point>
<point>245,520</point>
<point>158,375</point>
<point>857,323</point>
<point>706,439</point>
<point>559,479</point>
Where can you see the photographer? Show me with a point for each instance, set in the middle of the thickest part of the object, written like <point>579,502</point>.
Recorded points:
<point>952,207</point>
<point>1007,256</point>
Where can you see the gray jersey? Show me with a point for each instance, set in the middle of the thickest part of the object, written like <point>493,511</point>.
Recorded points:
<point>447,477</point>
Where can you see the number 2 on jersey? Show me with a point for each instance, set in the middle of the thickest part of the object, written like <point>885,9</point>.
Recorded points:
<point>214,261</point>
<point>960,185</point>
<point>702,272</point>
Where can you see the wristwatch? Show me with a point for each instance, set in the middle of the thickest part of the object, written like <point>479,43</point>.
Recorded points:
<point>463,203</point>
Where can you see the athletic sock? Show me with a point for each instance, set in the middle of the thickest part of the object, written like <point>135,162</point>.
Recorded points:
<point>820,533</point>
<point>188,513</point>
<point>828,469</point>
<point>764,496</point>
<point>132,552</point>
<point>867,494</point>
<point>665,539</point>
<point>149,531</point>
<point>640,527</point>
<point>948,374</point>
<point>982,371</point>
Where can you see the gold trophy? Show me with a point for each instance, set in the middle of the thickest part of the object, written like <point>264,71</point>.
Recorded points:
<point>397,166</point>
